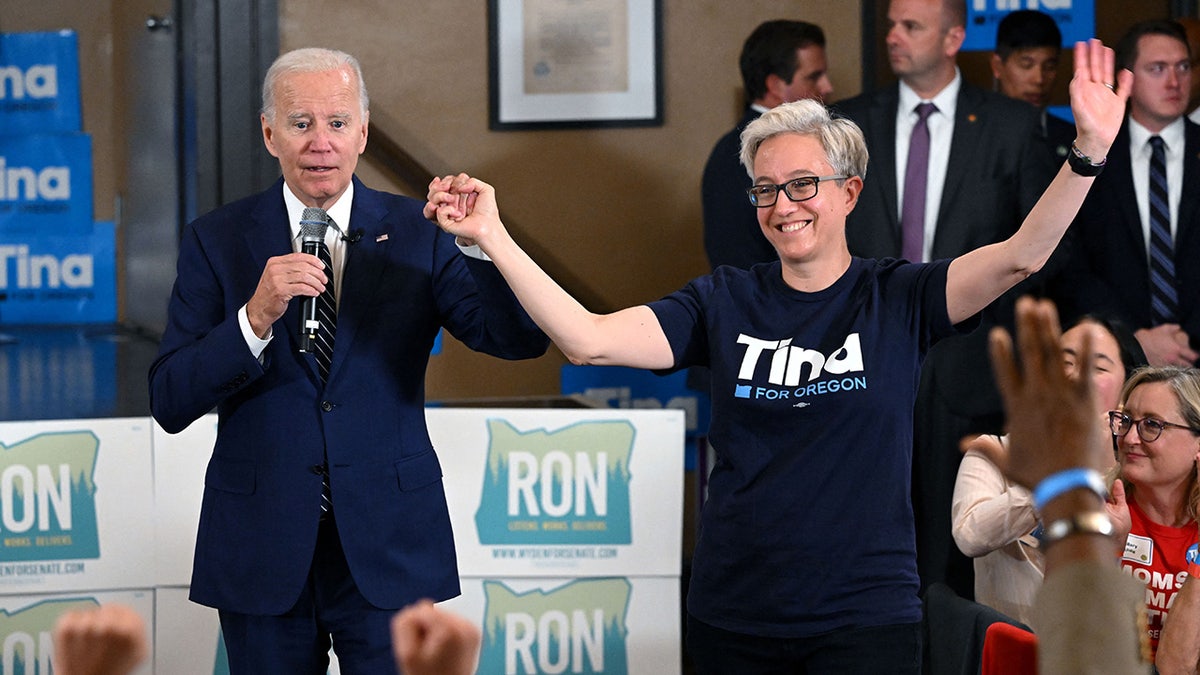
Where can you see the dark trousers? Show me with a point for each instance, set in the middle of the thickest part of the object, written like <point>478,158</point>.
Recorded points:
<point>895,650</point>
<point>957,399</point>
<point>330,610</point>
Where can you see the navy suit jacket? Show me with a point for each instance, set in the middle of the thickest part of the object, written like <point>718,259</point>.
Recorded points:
<point>403,280</point>
<point>1105,270</point>
<point>996,172</point>
<point>1058,135</point>
<point>732,235</point>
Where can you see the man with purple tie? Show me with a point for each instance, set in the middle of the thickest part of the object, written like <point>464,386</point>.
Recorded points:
<point>944,180</point>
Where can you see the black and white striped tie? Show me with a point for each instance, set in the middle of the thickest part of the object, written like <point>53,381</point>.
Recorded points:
<point>323,351</point>
<point>313,224</point>
<point>316,221</point>
<point>327,312</point>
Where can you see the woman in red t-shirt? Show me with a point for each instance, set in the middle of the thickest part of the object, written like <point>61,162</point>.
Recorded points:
<point>1158,445</point>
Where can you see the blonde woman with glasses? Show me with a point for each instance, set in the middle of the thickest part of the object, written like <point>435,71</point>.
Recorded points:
<point>1158,444</point>
<point>806,560</point>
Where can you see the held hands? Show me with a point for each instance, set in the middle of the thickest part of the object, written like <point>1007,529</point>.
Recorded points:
<point>1166,345</point>
<point>1096,101</point>
<point>463,206</point>
<point>1051,417</point>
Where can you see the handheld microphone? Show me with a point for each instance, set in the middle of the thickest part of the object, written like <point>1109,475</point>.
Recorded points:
<point>313,223</point>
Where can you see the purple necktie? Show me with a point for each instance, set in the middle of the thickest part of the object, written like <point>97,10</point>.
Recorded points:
<point>916,172</point>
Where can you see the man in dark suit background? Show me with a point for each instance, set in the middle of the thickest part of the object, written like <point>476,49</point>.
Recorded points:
<point>1109,249</point>
<point>1025,67</point>
<point>781,61</point>
<point>1191,28</point>
<point>984,170</point>
<point>288,575</point>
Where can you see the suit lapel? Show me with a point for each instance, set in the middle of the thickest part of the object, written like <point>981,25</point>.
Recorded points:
<point>964,149</point>
<point>883,127</point>
<point>365,261</point>
<point>1120,163</point>
<point>1189,201</point>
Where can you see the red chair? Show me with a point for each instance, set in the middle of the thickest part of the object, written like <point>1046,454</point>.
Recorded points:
<point>1009,650</point>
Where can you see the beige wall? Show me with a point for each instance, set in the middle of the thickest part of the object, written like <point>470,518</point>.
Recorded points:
<point>618,207</point>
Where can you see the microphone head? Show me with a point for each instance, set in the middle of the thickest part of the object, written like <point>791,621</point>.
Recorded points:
<point>313,223</point>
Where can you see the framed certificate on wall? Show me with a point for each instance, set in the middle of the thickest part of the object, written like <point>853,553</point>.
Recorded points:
<point>574,63</point>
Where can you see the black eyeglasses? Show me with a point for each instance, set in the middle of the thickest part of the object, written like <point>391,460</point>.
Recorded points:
<point>797,190</point>
<point>1148,428</point>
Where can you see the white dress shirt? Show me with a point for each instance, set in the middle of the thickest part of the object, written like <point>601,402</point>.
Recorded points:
<point>1139,157</point>
<point>339,212</point>
<point>941,131</point>
<point>992,521</point>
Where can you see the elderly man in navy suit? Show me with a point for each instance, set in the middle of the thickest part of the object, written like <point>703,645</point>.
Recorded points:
<point>323,509</point>
<point>1130,252</point>
<point>953,167</point>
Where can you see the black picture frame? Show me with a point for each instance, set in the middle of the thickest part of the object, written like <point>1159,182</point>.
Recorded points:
<point>585,64</point>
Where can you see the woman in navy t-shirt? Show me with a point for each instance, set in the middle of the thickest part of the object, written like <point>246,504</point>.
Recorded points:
<point>806,558</point>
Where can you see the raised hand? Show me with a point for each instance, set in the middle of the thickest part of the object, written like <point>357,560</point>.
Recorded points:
<point>107,640</point>
<point>1051,417</point>
<point>1097,102</point>
<point>429,641</point>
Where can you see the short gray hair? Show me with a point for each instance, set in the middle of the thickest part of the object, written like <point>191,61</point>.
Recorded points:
<point>310,60</point>
<point>842,140</point>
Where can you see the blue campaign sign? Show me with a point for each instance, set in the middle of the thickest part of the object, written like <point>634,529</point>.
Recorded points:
<point>46,184</point>
<point>437,344</point>
<point>39,82</point>
<point>1075,18</point>
<point>620,387</point>
<point>59,279</point>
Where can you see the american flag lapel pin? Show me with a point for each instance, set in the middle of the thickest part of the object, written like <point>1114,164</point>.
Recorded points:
<point>382,237</point>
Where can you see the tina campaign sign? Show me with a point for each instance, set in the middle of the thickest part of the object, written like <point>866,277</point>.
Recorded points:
<point>39,83</point>
<point>46,184</point>
<point>1076,19</point>
<point>59,279</point>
